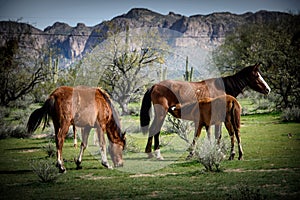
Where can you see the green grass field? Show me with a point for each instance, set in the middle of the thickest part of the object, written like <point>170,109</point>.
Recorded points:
<point>270,169</point>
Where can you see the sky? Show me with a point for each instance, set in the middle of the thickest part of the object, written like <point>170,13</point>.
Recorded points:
<point>44,13</point>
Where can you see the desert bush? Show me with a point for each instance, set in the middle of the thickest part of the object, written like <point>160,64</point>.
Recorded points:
<point>131,146</point>
<point>50,149</point>
<point>180,127</point>
<point>210,153</point>
<point>13,122</point>
<point>291,114</point>
<point>16,131</point>
<point>45,170</point>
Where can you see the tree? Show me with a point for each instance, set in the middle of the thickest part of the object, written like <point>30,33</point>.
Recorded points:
<point>19,72</point>
<point>276,46</point>
<point>127,58</point>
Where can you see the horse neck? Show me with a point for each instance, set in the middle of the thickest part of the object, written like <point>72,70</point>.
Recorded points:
<point>235,84</point>
<point>113,127</point>
<point>114,131</point>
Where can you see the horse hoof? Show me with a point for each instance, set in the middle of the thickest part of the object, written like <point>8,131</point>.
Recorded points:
<point>231,157</point>
<point>78,163</point>
<point>160,158</point>
<point>78,167</point>
<point>106,165</point>
<point>62,170</point>
<point>158,155</point>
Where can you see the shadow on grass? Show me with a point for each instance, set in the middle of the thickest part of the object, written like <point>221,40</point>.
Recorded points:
<point>15,171</point>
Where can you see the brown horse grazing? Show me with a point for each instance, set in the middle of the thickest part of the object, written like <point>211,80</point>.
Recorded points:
<point>167,93</point>
<point>213,111</point>
<point>87,108</point>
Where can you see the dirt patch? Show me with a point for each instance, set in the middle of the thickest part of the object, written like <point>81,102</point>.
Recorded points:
<point>29,150</point>
<point>39,136</point>
<point>92,177</point>
<point>151,175</point>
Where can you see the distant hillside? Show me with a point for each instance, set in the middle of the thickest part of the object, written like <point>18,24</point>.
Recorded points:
<point>207,31</point>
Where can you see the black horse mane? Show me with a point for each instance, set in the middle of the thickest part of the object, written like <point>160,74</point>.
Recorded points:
<point>235,84</point>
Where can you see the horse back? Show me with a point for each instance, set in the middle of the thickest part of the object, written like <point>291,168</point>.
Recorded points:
<point>184,92</point>
<point>80,106</point>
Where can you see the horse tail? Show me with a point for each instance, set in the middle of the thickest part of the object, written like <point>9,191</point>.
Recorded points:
<point>38,115</point>
<point>144,112</point>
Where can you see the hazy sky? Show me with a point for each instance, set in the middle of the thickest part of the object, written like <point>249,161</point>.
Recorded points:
<point>43,13</point>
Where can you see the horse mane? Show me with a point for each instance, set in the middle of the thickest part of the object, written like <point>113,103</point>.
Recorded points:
<point>105,94</point>
<point>235,84</point>
<point>113,123</point>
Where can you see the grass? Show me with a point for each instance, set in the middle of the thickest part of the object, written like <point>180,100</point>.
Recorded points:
<point>270,169</point>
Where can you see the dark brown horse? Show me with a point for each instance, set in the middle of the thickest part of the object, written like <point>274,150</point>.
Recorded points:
<point>168,93</point>
<point>213,111</point>
<point>87,108</point>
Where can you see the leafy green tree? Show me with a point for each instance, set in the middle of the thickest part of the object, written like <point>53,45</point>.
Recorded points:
<point>276,46</point>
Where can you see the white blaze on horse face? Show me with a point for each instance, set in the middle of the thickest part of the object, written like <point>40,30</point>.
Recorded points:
<point>264,82</point>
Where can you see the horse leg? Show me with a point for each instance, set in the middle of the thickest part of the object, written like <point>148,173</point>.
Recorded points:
<point>85,135</point>
<point>156,147</point>
<point>231,134</point>
<point>208,132</point>
<point>102,144</point>
<point>148,148</point>
<point>196,136</point>
<point>154,131</point>
<point>160,114</point>
<point>96,139</point>
<point>218,132</point>
<point>238,138</point>
<point>60,134</point>
<point>75,137</point>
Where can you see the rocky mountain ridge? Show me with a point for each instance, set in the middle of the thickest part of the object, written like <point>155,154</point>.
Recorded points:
<point>207,31</point>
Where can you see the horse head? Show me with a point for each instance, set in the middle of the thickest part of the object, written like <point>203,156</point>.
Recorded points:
<point>116,149</point>
<point>255,80</point>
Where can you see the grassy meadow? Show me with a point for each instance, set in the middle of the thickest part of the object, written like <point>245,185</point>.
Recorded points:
<point>270,169</point>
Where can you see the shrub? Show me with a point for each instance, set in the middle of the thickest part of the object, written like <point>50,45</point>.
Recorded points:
<point>17,131</point>
<point>210,153</point>
<point>131,146</point>
<point>45,170</point>
<point>181,128</point>
<point>291,114</point>
<point>49,149</point>
<point>13,122</point>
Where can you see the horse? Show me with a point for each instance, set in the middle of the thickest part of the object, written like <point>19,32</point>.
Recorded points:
<point>170,92</point>
<point>84,107</point>
<point>213,111</point>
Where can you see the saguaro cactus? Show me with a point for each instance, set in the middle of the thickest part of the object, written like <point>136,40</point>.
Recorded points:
<point>188,75</point>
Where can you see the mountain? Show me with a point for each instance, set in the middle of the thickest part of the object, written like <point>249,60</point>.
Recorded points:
<point>206,31</point>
